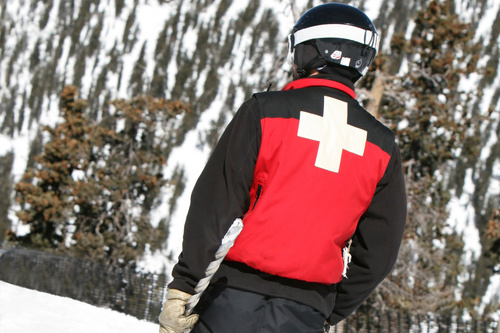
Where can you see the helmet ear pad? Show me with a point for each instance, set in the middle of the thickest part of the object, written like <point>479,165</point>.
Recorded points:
<point>307,57</point>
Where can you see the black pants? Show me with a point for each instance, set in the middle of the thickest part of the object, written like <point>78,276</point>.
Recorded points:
<point>227,310</point>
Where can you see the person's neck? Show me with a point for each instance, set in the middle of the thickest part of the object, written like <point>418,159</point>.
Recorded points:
<point>334,77</point>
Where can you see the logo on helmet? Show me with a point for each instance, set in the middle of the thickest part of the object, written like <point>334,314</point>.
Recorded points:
<point>336,55</point>
<point>358,63</point>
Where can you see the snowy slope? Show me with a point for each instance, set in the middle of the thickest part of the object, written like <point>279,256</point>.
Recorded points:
<point>24,310</point>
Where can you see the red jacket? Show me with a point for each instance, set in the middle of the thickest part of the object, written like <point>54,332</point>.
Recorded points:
<point>301,213</point>
<point>307,168</point>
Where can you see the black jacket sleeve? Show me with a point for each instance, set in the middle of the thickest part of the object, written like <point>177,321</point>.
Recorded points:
<point>376,241</point>
<point>221,195</point>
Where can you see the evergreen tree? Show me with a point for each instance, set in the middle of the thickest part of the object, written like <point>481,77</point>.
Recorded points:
<point>493,233</point>
<point>5,182</point>
<point>93,186</point>
<point>45,190</point>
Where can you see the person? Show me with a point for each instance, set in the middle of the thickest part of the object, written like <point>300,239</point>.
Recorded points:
<point>319,185</point>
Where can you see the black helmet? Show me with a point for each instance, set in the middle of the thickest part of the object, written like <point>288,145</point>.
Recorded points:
<point>333,33</point>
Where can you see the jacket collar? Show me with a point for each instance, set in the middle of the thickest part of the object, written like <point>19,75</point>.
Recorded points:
<point>321,81</point>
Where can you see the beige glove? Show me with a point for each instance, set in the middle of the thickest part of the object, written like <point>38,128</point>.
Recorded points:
<point>172,318</point>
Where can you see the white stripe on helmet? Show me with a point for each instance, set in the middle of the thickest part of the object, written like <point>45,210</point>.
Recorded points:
<point>342,31</point>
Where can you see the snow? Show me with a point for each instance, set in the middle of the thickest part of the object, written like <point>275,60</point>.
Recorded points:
<point>461,219</point>
<point>484,28</point>
<point>24,310</point>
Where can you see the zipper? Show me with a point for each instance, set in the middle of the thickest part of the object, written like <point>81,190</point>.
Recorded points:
<point>257,195</point>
